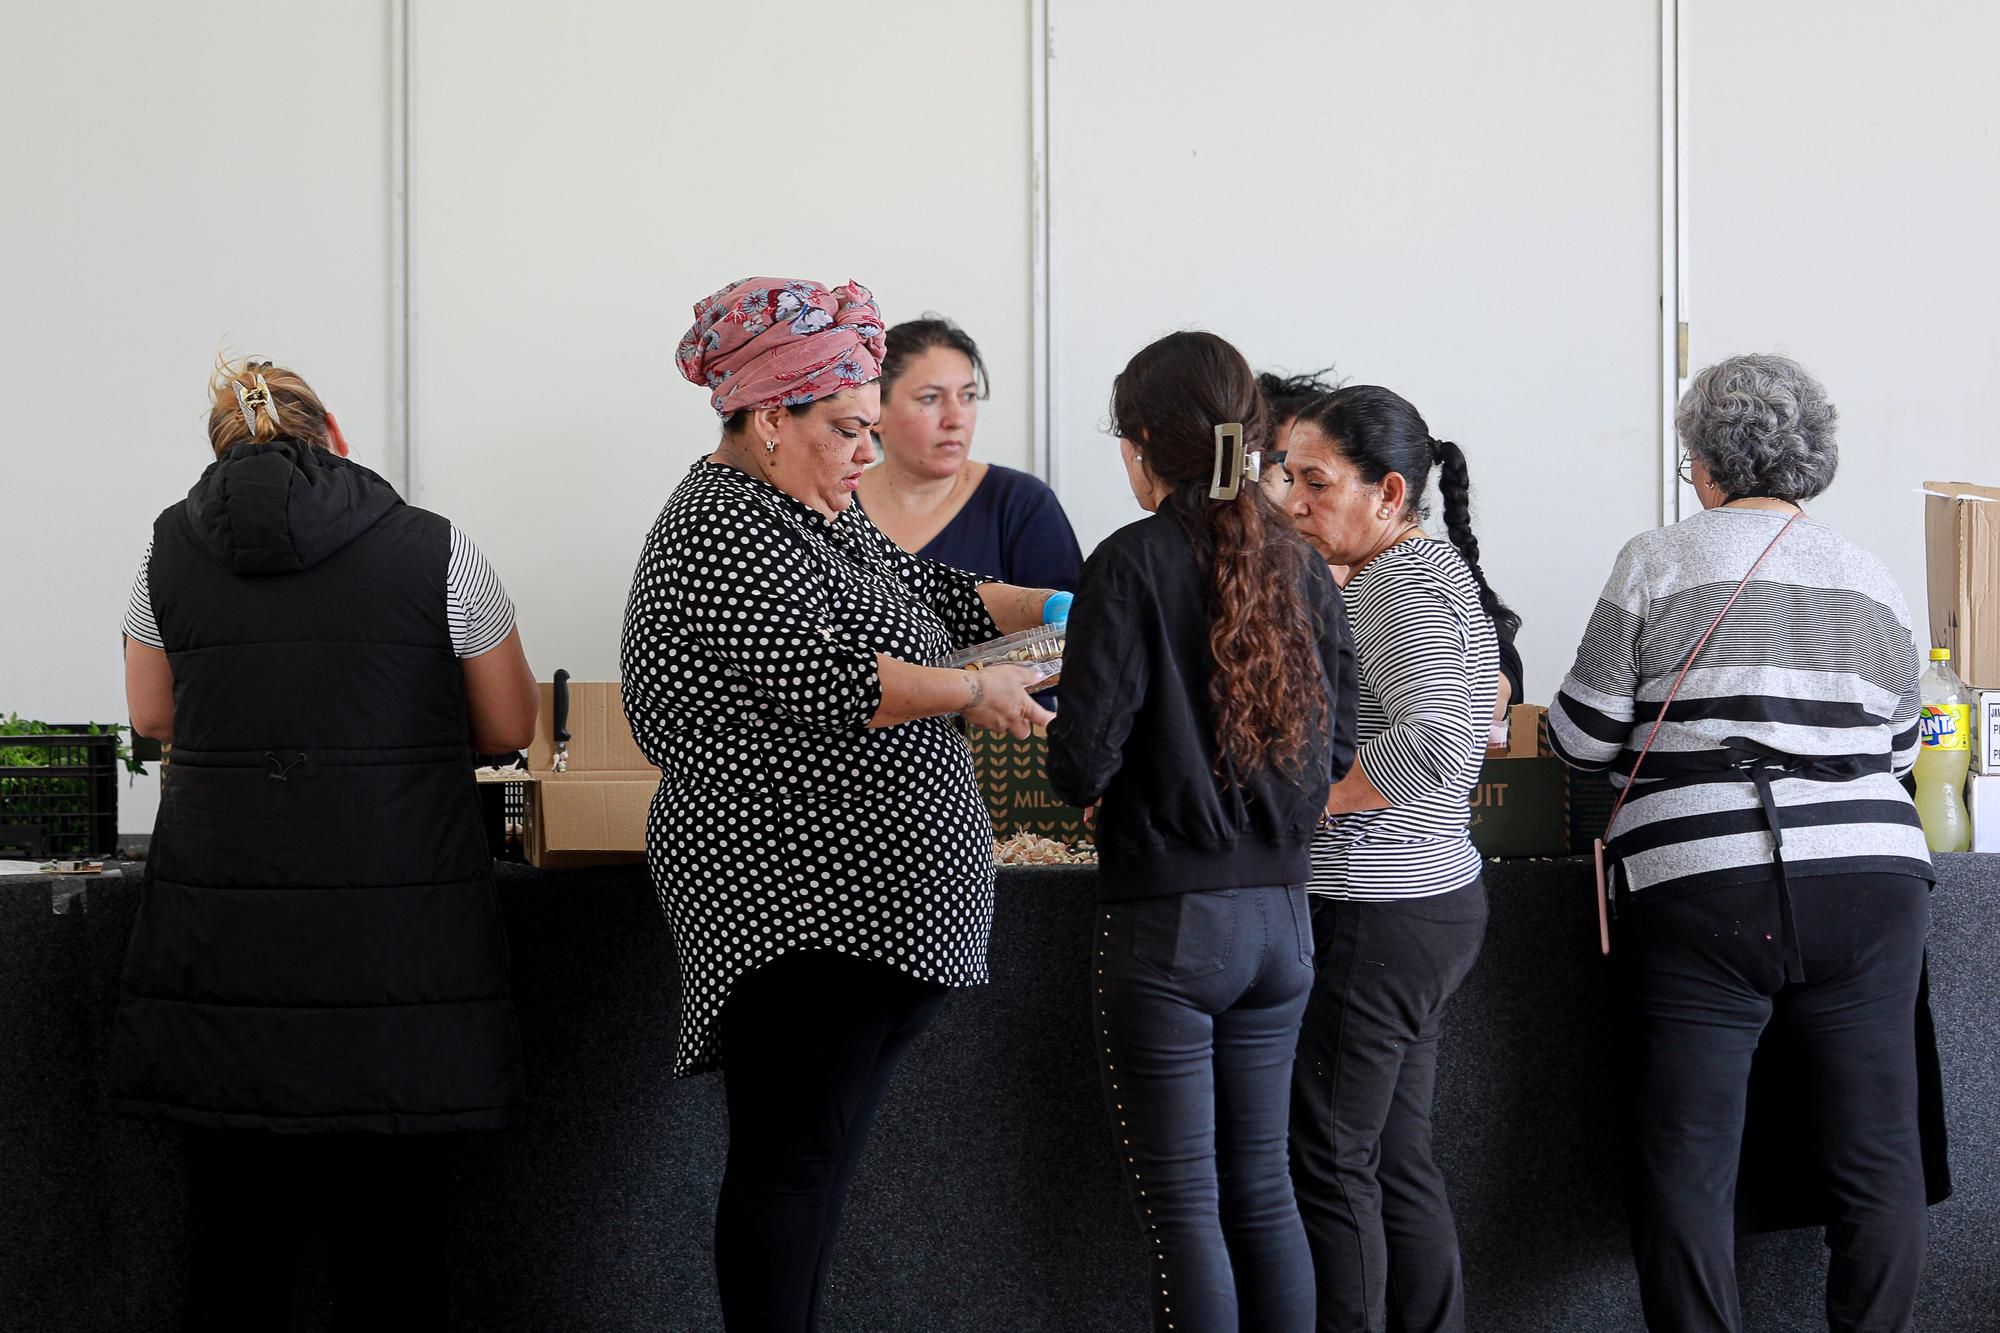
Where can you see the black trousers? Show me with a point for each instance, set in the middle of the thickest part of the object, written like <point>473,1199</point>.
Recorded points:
<point>1702,976</point>
<point>809,1042</point>
<point>1384,1243</point>
<point>382,1200</point>
<point>1198,1003</point>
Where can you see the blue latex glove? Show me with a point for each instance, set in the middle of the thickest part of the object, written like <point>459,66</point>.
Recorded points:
<point>1055,611</point>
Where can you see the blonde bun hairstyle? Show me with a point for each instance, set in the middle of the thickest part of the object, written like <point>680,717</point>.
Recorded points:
<point>255,402</point>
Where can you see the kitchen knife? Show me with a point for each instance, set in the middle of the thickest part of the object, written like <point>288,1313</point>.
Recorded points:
<point>562,721</point>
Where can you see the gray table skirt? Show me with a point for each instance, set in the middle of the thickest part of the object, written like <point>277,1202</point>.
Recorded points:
<point>989,1199</point>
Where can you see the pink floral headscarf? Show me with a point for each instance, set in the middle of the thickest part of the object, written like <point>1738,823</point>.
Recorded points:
<point>770,342</point>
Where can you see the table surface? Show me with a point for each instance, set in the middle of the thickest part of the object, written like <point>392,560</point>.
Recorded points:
<point>989,1197</point>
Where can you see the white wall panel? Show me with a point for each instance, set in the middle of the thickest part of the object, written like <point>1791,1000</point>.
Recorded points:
<point>175,181</point>
<point>1458,201</point>
<point>1844,182</point>
<point>583,173</point>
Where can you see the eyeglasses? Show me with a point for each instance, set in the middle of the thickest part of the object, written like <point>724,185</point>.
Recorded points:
<point>1686,470</point>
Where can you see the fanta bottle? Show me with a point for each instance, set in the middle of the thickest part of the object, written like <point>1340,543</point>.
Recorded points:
<point>1946,755</point>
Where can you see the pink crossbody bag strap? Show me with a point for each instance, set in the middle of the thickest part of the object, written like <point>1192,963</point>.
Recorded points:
<point>1597,850</point>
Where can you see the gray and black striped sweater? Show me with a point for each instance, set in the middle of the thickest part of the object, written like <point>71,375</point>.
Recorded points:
<point>1812,676</point>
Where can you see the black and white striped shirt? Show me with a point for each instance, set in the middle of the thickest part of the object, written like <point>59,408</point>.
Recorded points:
<point>1813,676</point>
<point>475,604</point>
<point>1430,669</point>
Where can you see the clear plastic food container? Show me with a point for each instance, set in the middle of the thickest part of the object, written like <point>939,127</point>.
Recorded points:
<point>1040,649</point>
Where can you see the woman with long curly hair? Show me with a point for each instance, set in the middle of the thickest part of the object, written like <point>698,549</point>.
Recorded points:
<point>1208,699</point>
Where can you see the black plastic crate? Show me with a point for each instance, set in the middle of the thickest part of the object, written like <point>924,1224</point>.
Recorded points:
<point>503,808</point>
<point>1587,805</point>
<point>64,800</point>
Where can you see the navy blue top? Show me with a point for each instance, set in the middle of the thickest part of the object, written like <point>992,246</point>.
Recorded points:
<point>1012,528</point>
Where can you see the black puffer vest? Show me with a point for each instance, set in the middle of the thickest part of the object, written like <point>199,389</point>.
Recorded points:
<point>319,946</point>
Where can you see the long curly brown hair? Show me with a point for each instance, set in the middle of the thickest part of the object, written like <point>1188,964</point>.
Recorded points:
<point>1262,633</point>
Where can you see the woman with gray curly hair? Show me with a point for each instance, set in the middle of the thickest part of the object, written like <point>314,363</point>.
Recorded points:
<point>1750,679</point>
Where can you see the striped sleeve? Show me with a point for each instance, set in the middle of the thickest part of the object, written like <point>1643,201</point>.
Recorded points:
<point>1909,704</point>
<point>140,626</point>
<point>1413,651</point>
<point>1903,755</point>
<point>1593,712</point>
<point>477,606</point>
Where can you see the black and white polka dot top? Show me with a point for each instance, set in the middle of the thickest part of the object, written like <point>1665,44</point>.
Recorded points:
<point>782,822</point>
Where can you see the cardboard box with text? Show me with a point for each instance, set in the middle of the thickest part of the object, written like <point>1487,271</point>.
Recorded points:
<point>1986,732</point>
<point>1529,803</point>
<point>1013,780</point>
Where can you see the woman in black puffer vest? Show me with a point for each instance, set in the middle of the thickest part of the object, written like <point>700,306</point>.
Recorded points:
<point>317,984</point>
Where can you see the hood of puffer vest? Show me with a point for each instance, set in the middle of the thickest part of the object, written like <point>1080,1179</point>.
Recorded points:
<point>281,507</point>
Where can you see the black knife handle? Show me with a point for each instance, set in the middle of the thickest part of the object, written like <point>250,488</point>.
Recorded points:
<point>562,705</point>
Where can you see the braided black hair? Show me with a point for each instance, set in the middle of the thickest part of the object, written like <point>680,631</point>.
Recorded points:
<point>1379,432</point>
<point>1455,489</point>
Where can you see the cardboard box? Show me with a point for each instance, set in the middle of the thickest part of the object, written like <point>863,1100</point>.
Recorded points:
<point>1013,779</point>
<point>1517,808</point>
<point>594,814</point>
<point>1986,732</point>
<point>1982,800</point>
<point>1529,803</point>
<point>1528,732</point>
<point>1962,564</point>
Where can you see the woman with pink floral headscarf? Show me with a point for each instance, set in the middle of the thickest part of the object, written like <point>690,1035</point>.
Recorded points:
<point>818,843</point>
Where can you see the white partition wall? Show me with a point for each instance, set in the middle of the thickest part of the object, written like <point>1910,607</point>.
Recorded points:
<point>1844,187</point>
<point>582,174</point>
<point>175,181</point>
<point>1460,202</point>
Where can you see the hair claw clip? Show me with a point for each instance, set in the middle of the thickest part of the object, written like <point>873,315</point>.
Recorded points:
<point>249,401</point>
<point>1229,467</point>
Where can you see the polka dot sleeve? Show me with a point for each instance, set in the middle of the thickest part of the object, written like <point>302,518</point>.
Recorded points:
<point>954,595</point>
<point>760,602</point>
<point>951,594</point>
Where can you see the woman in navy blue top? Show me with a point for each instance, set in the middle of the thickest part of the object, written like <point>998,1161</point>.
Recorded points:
<point>930,496</point>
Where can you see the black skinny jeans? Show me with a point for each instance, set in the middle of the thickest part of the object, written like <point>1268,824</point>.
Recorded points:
<point>383,1201</point>
<point>1702,975</point>
<point>809,1042</point>
<point>1198,998</point>
<point>1384,1243</point>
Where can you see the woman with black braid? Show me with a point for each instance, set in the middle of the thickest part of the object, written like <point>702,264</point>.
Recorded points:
<point>1399,909</point>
